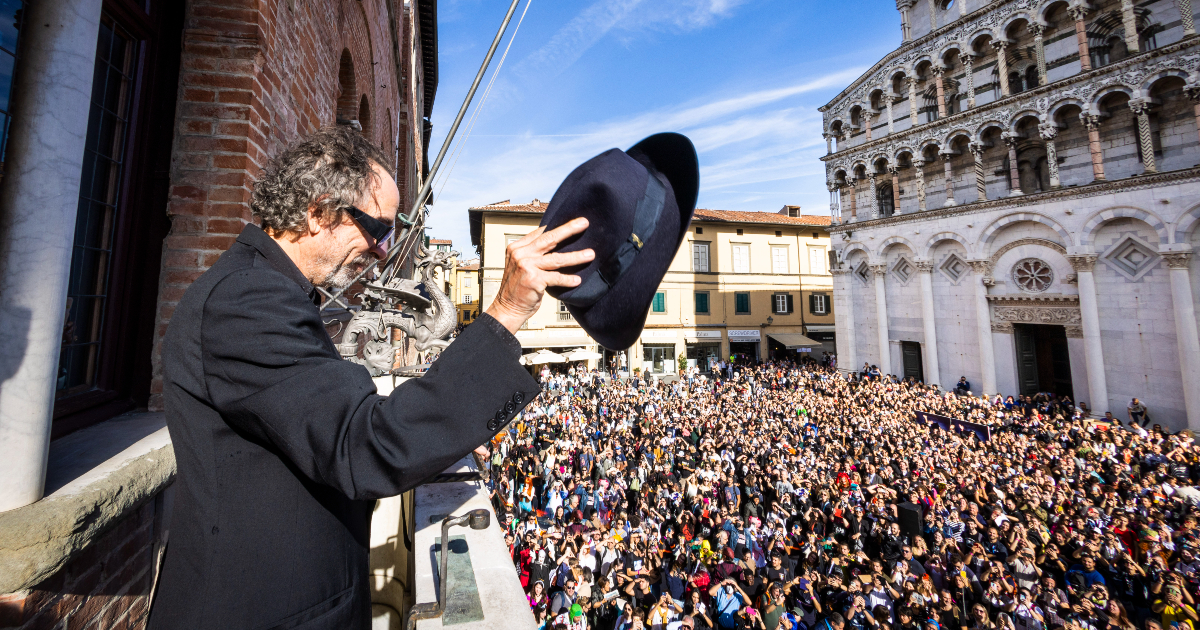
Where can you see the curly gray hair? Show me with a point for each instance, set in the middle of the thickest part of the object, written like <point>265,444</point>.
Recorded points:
<point>328,170</point>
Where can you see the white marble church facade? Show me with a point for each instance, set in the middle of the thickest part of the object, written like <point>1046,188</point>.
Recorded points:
<point>1017,199</point>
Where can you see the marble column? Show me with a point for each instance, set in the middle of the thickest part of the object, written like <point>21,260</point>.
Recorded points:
<point>1039,48</point>
<point>905,27</point>
<point>930,359</point>
<point>895,189</point>
<point>1092,122</point>
<point>846,342</point>
<point>919,172</point>
<point>853,199</point>
<point>867,116</point>
<point>969,66</point>
<point>980,185</point>
<point>912,101</point>
<point>828,143</point>
<point>1185,17</point>
<point>874,196</point>
<point>949,178</point>
<point>1011,139</point>
<point>983,323</point>
<point>1141,109</point>
<point>1002,66</point>
<point>1185,332</point>
<point>1093,348</point>
<point>881,318</point>
<point>938,73</point>
<point>887,102</point>
<point>1129,21</point>
<point>1048,131</point>
<point>962,9</point>
<point>932,15</point>
<point>50,104</point>
<point>1079,13</point>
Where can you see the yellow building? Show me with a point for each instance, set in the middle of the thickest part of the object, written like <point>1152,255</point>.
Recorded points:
<point>466,291</point>
<point>755,284</point>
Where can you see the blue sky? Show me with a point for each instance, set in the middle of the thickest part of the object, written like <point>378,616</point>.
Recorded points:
<point>741,78</point>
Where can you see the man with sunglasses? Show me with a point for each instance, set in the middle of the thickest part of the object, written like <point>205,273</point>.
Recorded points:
<point>281,446</point>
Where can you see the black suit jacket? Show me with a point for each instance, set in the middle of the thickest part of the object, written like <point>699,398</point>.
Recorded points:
<point>282,447</point>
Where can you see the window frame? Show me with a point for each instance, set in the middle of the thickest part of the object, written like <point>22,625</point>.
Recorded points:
<point>823,298</point>
<point>787,259</point>
<point>707,247</point>
<point>733,257</point>
<point>659,303</point>
<point>124,371</point>
<point>707,303</point>
<point>737,297</point>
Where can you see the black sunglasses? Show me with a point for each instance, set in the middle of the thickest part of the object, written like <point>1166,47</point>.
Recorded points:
<point>378,230</point>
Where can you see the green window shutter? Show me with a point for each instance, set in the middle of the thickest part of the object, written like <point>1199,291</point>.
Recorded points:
<point>742,301</point>
<point>812,304</point>
<point>660,302</point>
<point>701,302</point>
<point>791,304</point>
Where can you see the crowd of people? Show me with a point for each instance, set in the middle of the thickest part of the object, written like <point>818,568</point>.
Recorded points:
<point>787,497</point>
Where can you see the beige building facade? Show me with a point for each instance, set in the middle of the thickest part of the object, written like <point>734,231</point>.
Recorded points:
<point>752,284</point>
<point>465,291</point>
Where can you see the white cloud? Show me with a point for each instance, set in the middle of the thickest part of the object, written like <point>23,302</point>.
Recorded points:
<point>748,145</point>
<point>592,24</point>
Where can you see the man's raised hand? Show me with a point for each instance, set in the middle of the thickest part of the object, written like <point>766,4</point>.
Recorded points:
<point>530,266</point>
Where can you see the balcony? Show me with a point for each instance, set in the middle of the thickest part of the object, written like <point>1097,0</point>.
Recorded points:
<point>565,316</point>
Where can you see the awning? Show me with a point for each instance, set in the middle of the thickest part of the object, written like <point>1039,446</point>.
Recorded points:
<point>555,342</point>
<point>794,340</point>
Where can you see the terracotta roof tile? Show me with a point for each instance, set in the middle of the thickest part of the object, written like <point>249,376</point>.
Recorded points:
<point>440,241</point>
<point>735,216</point>
<point>535,206</point>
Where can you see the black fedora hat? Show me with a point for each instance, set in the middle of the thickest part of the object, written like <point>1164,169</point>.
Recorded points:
<point>639,204</point>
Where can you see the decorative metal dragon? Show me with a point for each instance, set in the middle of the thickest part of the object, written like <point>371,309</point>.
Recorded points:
<point>418,308</point>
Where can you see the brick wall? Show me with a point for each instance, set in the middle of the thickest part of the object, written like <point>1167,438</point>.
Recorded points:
<point>255,76</point>
<point>107,586</point>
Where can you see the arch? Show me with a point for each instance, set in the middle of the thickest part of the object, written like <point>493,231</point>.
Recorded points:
<point>1187,221</point>
<point>856,246</point>
<point>945,236</point>
<point>990,124</point>
<point>1052,114</point>
<point>1098,95</point>
<point>979,34</point>
<point>1027,241</point>
<point>901,151</point>
<point>891,73</point>
<point>1122,212</point>
<point>1013,19</point>
<point>931,142</point>
<point>989,233</point>
<point>1044,9</point>
<point>1022,115</point>
<point>347,100</point>
<point>956,46</point>
<point>1144,88</point>
<point>364,117</point>
<point>957,133</point>
<point>893,240</point>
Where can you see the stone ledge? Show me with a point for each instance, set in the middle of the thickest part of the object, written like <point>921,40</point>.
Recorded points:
<point>95,477</point>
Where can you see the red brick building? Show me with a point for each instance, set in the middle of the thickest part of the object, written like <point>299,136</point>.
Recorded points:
<point>137,129</point>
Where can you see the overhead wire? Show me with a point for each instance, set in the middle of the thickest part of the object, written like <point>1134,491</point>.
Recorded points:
<point>459,149</point>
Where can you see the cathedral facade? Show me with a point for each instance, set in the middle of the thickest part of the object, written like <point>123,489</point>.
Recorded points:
<point>1016,195</point>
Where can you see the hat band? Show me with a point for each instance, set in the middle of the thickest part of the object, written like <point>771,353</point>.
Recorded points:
<point>645,220</point>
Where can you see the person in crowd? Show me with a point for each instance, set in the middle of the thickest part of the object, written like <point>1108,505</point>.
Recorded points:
<point>768,496</point>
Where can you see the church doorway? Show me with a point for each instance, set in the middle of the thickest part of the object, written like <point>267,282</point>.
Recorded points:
<point>911,352</point>
<point>1043,362</point>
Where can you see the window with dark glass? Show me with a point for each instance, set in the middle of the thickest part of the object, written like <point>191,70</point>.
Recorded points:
<point>11,13</point>
<point>103,165</point>
<point>741,303</point>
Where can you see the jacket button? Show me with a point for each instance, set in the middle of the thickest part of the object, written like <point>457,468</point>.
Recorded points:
<point>215,529</point>
<point>509,407</point>
<point>493,425</point>
<point>519,398</point>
